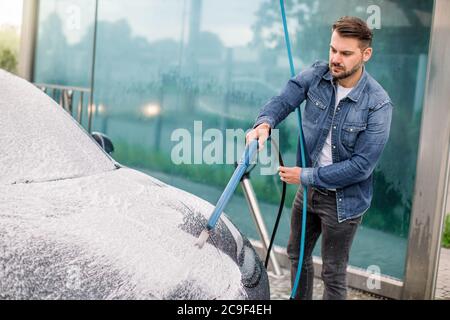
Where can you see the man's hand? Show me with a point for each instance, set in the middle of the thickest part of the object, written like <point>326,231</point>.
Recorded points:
<point>261,133</point>
<point>290,175</point>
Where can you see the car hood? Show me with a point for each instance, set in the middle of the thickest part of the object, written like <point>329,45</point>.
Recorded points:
<point>112,235</point>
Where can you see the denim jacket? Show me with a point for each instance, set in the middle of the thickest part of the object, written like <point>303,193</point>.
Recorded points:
<point>360,126</point>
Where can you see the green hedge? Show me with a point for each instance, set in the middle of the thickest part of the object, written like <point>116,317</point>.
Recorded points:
<point>446,233</point>
<point>9,49</point>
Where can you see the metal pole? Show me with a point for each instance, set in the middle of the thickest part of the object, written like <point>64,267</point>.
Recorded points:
<point>259,221</point>
<point>28,39</point>
<point>431,183</point>
<point>80,108</point>
<point>94,45</point>
<point>69,100</point>
<point>61,99</point>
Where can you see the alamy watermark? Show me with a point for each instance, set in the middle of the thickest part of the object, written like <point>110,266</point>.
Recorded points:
<point>73,278</point>
<point>73,18</point>
<point>213,147</point>
<point>374,280</point>
<point>374,19</point>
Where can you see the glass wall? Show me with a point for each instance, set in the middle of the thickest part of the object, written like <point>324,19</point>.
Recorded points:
<point>65,42</point>
<point>163,65</point>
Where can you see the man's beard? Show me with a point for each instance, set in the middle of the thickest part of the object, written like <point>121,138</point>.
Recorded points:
<point>346,74</point>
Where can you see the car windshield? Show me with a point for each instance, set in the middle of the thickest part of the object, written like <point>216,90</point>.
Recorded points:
<point>39,141</point>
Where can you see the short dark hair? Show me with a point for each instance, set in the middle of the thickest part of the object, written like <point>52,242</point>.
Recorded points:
<point>353,27</point>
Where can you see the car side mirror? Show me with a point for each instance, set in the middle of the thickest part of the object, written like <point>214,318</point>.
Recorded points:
<point>104,141</point>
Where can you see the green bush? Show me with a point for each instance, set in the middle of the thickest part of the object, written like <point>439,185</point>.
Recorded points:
<point>9,49</point>
<point>446,233</point>
<point>8,60</point>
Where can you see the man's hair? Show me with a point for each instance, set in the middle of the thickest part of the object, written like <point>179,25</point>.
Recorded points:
<point>353,27</point>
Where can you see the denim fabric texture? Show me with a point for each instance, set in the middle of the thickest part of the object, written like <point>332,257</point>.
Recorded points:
<point>360,126</point>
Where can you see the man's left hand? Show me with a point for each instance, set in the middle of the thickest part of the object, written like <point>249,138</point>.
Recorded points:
<point>290,175</point>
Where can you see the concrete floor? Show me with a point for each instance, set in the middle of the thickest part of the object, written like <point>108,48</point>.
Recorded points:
<point>443,278</point>
<point>280,289</point>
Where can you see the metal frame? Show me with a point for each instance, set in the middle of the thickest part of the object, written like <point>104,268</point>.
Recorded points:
<point>28,38</point>
<point>432,172</point>
<point>94,49</point>
<point>66,97</point>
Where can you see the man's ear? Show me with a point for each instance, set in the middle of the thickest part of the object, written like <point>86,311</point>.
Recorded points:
<point>367,54</point>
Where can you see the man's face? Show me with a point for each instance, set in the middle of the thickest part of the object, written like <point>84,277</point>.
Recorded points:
<point>346,56</point>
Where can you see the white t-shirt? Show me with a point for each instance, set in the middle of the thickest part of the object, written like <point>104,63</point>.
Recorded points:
<point>325,157</point>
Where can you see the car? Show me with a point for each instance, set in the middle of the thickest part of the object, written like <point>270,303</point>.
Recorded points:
<point>76,224</point>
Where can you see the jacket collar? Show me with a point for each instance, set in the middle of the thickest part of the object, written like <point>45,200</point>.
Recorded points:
<point>357,90</point>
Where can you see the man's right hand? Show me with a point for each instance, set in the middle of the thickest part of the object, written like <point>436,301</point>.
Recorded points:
<point>261,133</point>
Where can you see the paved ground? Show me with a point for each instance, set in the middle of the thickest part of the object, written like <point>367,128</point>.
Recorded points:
<point>280,289</point>
<point>443,279</point>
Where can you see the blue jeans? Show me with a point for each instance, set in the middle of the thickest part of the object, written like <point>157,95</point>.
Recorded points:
<point>337,239</point>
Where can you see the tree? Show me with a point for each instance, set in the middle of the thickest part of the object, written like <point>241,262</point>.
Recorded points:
<point>9,48</point>
<point>8,60</point>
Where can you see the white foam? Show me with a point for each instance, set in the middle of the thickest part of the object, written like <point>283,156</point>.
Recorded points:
<point>39,141</point>
<point>128,222</point>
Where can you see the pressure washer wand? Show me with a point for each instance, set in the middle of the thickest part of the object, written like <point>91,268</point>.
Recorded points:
<point>249,153</point>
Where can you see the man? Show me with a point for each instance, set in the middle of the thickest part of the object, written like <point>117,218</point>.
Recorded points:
<point>346,125</point>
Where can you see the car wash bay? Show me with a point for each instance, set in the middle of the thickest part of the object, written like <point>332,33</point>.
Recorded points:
<point>155,66</point>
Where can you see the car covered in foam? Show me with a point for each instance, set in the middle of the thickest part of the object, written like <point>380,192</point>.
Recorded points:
<point>75,224</point>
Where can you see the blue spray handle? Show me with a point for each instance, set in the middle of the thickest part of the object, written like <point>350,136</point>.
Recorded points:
<point>249,153</point>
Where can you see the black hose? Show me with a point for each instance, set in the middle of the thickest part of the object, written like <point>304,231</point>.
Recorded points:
<point>280,208</point>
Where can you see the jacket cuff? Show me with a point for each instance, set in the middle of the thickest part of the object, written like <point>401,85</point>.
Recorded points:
<point>307,177</point>
<point>263,119</point>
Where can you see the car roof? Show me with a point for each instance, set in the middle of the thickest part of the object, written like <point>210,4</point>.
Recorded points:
<point>40,141</point>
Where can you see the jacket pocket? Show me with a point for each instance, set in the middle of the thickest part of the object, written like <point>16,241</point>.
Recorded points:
<point>314,108</point>
<point>315,101</point>
<point>350,133</point>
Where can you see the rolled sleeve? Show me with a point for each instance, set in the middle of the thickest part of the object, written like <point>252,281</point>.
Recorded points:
<point>307,176</point>
<point>265,119</point>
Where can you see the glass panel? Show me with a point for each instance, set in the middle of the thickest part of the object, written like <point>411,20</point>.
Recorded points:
<point>64,42</point>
